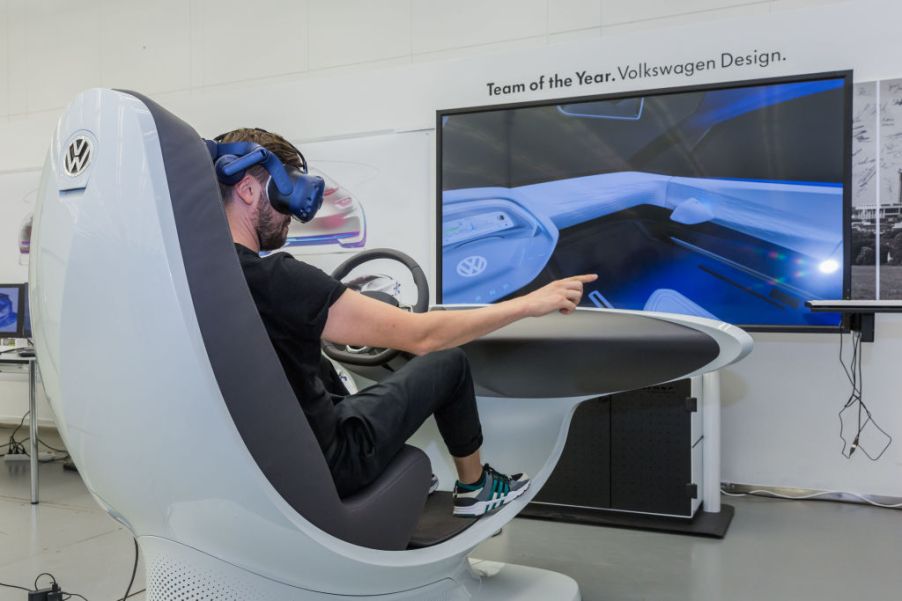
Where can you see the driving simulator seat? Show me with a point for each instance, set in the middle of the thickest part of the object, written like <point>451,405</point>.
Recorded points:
<point>174,406</point>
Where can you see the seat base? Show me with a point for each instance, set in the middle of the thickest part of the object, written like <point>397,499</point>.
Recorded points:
<point>179,573</point>
<point>510,582</point>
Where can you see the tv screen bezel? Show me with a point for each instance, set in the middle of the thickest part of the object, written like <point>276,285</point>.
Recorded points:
<point>845,75</point>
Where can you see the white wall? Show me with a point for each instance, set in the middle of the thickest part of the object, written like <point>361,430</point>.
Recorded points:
<point>320,70</point>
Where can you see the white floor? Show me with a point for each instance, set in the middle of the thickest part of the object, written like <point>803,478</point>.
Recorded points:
<point>775,550</point>
<point>66,534</point>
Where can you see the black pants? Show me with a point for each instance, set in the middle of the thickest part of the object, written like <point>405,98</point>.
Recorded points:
<point>374,424</point>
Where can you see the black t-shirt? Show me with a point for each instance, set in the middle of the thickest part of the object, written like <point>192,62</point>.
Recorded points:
<point>294,299</point>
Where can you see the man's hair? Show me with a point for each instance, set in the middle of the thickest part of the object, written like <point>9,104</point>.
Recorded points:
<point>275,143</point>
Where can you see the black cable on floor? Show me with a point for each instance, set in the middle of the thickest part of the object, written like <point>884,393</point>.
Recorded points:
<point>38,577</point>
<point>67,595</point>
<point>134,570</point>
<point>13,443</point>
<point>18,446</point>
<point>21,588</point>
<point>51,448</point>
<point>23,451</point>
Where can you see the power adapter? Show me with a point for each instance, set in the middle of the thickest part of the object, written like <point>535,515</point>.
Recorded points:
<point>51,593</point>
<point>39,595</point>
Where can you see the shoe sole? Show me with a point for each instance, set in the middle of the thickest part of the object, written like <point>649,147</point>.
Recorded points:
<point>484,507</point>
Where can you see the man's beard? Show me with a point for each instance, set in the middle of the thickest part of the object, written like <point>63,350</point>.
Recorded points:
<point>272,230</point>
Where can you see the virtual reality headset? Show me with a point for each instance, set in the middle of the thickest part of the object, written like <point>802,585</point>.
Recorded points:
<point>291,190</point>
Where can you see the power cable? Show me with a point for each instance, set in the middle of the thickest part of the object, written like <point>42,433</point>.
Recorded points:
<point>134,570</point>
<point>38,577</point>
<point>855,402</point>
<point>771,494</point>
<point>21,588</point>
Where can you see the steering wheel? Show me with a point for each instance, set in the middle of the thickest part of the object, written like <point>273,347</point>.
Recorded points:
<point>369,356</point>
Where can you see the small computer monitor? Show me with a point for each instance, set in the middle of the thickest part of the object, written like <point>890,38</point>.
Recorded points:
<point>12,307</point>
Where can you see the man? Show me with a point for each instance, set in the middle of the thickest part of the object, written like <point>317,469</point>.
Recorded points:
<point>361,433</point>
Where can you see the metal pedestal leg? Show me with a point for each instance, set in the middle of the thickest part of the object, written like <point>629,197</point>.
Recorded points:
<point>711,449</point>
<point>34,431</point>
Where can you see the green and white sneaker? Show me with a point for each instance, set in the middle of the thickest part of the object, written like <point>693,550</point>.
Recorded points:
<point>494,490</point>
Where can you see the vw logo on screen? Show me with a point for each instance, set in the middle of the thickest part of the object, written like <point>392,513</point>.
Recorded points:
<point>77,157</point>
<point>471,266</point>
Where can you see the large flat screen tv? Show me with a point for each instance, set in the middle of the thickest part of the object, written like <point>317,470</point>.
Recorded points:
<point>728,201</point>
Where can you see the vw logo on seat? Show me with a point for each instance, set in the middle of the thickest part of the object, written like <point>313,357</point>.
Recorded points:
<point>471,266</point>
<point>77,157</point>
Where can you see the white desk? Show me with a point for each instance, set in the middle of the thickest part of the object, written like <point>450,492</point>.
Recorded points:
<point>11,362</point>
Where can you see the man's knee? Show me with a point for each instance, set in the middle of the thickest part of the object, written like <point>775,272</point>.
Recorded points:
<point>454,360</point>
<point>457,367</point>
<point>445,372</point>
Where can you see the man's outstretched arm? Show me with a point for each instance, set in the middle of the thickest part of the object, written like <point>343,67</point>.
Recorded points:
<point>362,321</point>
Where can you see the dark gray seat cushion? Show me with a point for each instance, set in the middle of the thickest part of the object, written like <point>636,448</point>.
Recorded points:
<point>404,485</point>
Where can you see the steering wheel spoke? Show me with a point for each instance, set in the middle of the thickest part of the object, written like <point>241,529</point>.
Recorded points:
<point>370,356</point>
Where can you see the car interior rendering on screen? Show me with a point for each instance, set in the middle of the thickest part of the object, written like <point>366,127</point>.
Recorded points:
<point>724,202</point>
